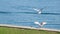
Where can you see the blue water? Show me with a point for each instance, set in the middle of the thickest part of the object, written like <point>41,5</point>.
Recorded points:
<point>20,12</point>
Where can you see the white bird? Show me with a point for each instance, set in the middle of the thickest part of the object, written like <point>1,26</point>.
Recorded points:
<point>39,10</point>
<point>40,24</point>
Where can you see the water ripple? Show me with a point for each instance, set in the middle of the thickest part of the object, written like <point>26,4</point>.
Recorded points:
<point>30,13</point>
<point>41,13</point>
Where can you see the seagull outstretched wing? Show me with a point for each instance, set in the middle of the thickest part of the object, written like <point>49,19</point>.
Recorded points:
<point>36,9</point>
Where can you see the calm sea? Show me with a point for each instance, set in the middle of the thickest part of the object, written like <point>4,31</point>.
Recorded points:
<point>20,12</point>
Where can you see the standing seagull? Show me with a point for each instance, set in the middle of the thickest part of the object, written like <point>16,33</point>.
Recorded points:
<point>38,10</point>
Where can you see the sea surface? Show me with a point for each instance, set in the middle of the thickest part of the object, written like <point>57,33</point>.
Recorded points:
<point>21,13</point>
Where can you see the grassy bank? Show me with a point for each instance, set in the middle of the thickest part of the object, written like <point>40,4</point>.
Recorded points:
<point>6,30</point>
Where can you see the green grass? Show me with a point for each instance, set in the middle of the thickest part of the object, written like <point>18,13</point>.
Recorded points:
<point>6,30</point>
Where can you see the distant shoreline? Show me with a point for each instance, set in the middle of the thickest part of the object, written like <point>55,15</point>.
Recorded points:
<point>28,27</point>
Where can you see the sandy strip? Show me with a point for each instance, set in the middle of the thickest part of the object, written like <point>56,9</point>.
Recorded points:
<point>28,27</point>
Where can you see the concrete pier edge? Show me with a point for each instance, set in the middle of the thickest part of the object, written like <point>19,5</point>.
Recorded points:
<point>28,27</point>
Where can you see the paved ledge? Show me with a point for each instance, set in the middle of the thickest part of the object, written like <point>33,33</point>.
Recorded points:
<point>28,27</point>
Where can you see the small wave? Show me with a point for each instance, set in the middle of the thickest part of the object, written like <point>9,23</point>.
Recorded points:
<point>30,13</point>
<point>41,13</point>
<point>51,13</point>
<point>5,12</point>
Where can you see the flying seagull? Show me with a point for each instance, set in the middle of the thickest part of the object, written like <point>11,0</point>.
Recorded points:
<point>40,24</point>
<point>38,10</point>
